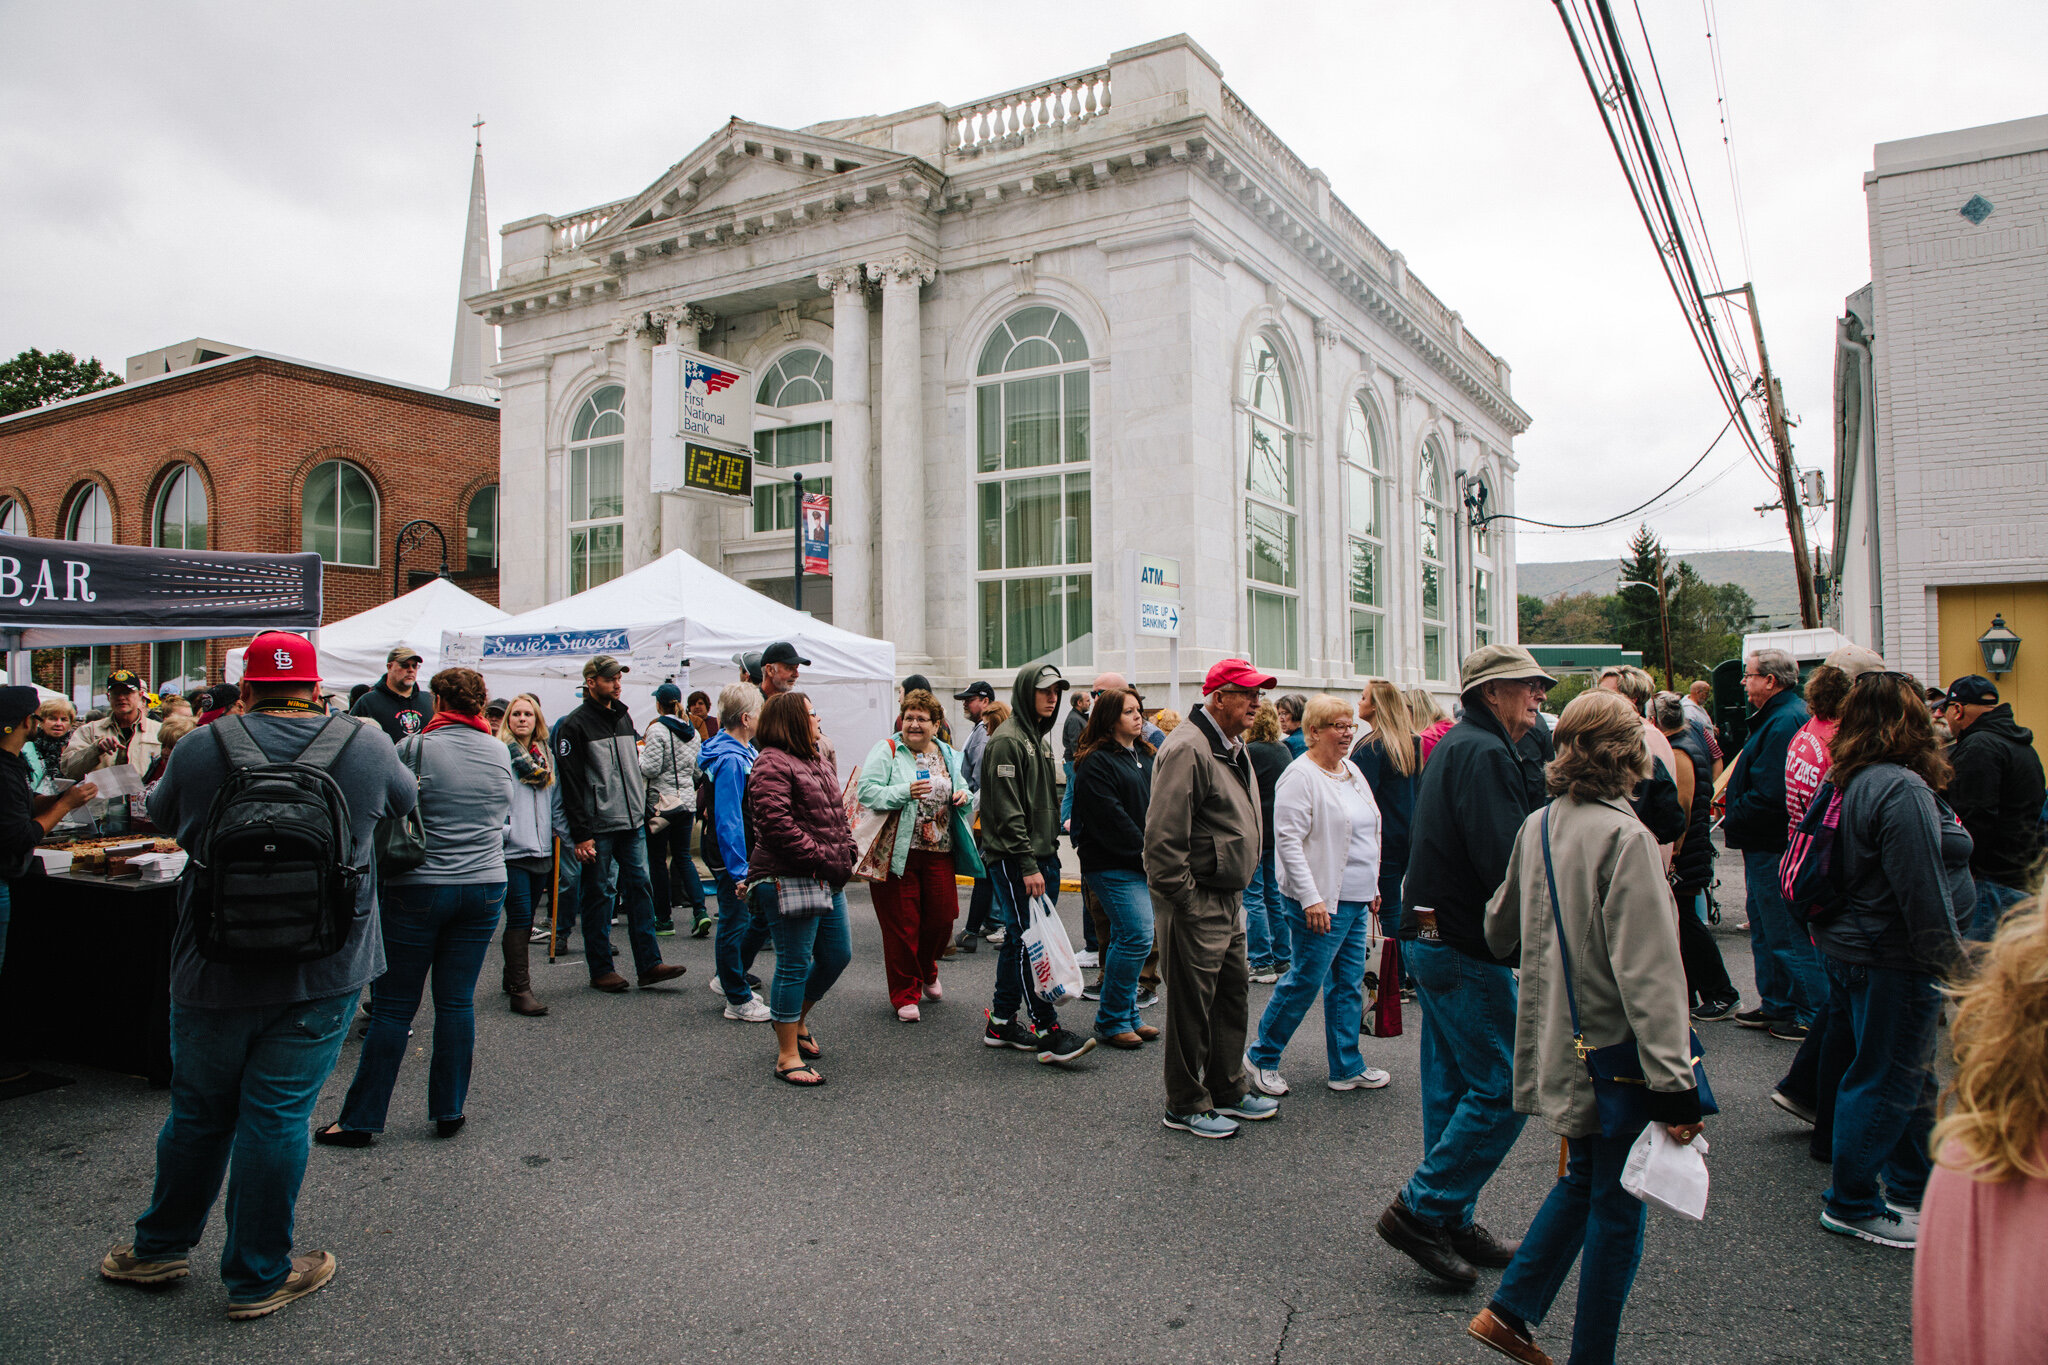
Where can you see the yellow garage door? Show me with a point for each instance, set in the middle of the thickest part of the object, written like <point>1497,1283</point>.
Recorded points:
<point>1966,613</point>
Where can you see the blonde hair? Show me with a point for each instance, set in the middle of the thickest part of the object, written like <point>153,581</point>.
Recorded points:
<point>1423,711</point>
<point>1166,719</point>
<point>57,706</point>
<point>737,701</point>
<point>1393,728</point>
<point>175,729</point>
<point>1323,711</point>
<point>1265,726</point>
<point>1600,748</point>
<point>1996,1108</point>
<point>540,720</point>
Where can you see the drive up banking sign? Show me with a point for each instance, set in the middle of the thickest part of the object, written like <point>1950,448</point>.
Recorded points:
<point>702,423</point>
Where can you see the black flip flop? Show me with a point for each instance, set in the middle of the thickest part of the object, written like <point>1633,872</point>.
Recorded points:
<point>807,1046</point>
<point>787,1075</point>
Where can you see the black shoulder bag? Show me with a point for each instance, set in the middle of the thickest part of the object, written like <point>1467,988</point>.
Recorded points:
<point>1617,1069</point>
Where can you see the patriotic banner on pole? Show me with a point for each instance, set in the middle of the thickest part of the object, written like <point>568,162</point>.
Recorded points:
<point>817,524</point>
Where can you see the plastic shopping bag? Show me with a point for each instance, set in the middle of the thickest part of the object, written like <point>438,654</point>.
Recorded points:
<point>1055,971</point>
<point>1667,1174</point>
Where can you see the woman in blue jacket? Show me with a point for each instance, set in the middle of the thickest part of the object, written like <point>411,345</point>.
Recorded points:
<point>919,774</point>
<point>725,761</point>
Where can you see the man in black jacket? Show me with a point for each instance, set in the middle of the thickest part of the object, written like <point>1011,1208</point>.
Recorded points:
<point>1791,987</point>
<point>1997,792</point>
<point>1482,781</point>
<point>604,801</point>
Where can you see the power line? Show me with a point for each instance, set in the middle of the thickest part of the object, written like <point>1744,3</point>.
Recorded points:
<point>1727,131</point>
<point>1624,516</point>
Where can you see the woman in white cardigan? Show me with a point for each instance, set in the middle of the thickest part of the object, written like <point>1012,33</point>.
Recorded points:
<point>1326,844</point>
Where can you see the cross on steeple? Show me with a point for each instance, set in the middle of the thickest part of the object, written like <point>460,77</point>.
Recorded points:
<point>479,126</point>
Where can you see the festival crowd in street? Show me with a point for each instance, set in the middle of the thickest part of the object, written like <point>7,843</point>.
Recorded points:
<point>1533,888</point>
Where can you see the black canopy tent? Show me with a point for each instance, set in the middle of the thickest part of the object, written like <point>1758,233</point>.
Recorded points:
<point>57,593</point>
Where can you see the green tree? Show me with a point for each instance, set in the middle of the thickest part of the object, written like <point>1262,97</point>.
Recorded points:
<point>33,378</point>
<point>1707,621</point>
<point>1644,569</point>
<point>1567,687</point>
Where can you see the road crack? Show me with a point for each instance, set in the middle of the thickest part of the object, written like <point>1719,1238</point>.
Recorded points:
<point>1285,1329</point>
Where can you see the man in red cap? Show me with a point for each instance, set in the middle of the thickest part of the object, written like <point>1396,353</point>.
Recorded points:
<point>1201,848</point>
<point>252,1043</point>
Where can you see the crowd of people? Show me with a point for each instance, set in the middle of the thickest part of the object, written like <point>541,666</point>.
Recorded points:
<point>1538,886</point>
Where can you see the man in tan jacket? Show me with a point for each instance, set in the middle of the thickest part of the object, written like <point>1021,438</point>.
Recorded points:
<point>125,734</point>
<point>1201,848</point>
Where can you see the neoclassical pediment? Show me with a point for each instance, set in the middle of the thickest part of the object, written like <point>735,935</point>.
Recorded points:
<point>739,163</point>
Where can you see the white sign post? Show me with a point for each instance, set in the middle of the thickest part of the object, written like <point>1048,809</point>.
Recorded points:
<point>1154,584</point>
<point>698,400</point>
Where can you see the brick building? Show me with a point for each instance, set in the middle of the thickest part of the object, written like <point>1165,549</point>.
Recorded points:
<point>255,452</point>
<point>1941,406</point>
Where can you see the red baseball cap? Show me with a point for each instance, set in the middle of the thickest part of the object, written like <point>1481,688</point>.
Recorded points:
<point>1236,673</point>
<point>280,656</point>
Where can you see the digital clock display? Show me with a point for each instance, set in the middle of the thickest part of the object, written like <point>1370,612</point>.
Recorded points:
<point>718,471</point>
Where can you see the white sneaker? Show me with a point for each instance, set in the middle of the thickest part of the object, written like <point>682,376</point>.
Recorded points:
<point>994,937</point>
<point>1087,959</point>
<point>753,1012</point>
<point>1265,1080</point>
<point>1372,1078</point>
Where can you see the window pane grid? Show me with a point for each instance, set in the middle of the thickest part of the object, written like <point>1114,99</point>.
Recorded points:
<point>338,515</point>
<point>597,490</point>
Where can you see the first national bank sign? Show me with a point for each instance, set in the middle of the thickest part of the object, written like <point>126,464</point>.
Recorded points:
<point>703,424</point>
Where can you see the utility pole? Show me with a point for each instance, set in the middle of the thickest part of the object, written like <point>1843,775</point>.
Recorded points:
<point>1664,617</point>
<point>1788,481</point>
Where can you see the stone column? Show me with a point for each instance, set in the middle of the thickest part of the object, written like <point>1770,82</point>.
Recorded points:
<point>688,522</point>
<point>643,515</point>
<point>901,466</point>
<point>853,516</point>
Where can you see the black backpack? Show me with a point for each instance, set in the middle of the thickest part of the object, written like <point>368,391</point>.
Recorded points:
<point>275,867</point>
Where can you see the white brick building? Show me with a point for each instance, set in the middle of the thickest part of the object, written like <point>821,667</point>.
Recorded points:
<point>1941,478</point>
<point>1021,338</point>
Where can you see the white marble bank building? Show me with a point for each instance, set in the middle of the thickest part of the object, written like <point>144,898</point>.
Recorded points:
<point>1021,338</point>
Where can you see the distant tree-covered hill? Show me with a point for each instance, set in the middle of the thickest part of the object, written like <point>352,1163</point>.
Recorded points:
<point>1766,575</point>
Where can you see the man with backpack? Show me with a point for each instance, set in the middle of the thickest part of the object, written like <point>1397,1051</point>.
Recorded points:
<point>258,1011</point>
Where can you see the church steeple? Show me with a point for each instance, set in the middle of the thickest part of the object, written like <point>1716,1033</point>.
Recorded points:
<point>476,341</point>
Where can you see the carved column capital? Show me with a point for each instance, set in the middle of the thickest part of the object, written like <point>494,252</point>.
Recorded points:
<point>900,269</point>
<point>843,279</point>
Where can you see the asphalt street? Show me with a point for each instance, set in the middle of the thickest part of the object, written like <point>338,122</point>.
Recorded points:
<point>633,1184</point>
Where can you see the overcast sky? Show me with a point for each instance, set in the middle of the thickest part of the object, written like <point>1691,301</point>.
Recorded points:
<point>295,178</point>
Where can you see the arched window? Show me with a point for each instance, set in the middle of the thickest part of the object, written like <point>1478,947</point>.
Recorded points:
<point>1032,467</point>
<point>180,521</point>
<point>1272,569</point>
<point>1435,588</point>
<point>13,518</point>
<point>799,387</point>
<point>92,517</point>
<point>1485,596</point>
<point>338,515</point>
<point>480,528</point>
<point>1365,509</point>
<point>597,490</point>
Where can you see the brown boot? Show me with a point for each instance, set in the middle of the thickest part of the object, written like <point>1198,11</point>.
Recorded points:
<point>518,946</point>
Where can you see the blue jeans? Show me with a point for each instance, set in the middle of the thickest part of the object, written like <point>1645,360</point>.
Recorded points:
<point>447,929</point>
<point>1067,795</point>
<point>1265,930</point>
<point>1884,1109</point>
<point>620,869</point>
<point>810,954</point>
<point>1128,904</point>
<point>1331,964</point>
<point>526,898</point>
<point>1468,1080</point>
<point>741,933</point>
<point>1798,989</point>
<point>6,916</point>
<point>1992,901</point>
<point>568,890</point>
<point>242,1081</point>
<point>979,905</point>
<point>1586,1209</point>
<point>1012,909</point>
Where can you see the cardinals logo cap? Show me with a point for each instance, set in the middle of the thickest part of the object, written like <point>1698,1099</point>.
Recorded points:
<point>280,656</point>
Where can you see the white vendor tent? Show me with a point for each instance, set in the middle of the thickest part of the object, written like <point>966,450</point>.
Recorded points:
<point>353,649</point>
<point>674,610</point>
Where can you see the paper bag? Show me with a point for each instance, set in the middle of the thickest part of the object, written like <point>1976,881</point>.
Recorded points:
<point>1667,1174</point>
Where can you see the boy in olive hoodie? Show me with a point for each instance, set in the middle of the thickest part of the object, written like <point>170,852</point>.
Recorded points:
<point>1020,827</point>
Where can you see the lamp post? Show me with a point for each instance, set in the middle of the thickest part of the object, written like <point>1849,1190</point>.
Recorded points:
<point>412,535</point>
<point>2000,646</point>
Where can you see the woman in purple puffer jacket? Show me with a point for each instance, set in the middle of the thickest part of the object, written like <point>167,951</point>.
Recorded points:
<point>800,856</point>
